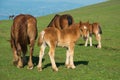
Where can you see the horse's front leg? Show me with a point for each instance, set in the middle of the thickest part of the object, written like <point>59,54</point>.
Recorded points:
<point>71,52</point>
<point>41,54</point>
<point>90,39</point>
<point>86,41</point>
<point>67,62</point>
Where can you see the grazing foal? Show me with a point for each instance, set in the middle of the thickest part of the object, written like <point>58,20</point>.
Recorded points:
<point>53,37</point>
<point>61,21</point>
<point>23,32</point>
<point>88,30</point>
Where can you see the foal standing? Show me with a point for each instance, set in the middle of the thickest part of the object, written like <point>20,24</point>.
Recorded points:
<point>88,30</point>
<point>53,37</point>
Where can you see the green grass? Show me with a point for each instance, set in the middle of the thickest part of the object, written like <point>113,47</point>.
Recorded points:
<point>91,63</point>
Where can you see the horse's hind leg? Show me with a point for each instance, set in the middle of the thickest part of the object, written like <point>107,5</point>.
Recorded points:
<point>52,54</point>
<point>98,38</point>
<point>30,63</point>
<point>15,57</point>
<point>20,62</point>
<point>41,54</point>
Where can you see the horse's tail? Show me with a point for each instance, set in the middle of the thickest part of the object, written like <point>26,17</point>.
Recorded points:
<point>100,30</point>
<point>23,39</point>
<point>70,19</point>
<point>41,37</point>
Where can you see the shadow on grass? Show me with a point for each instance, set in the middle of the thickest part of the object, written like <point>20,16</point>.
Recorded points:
<point>81,44</point>
<point>35,60</point>
<point>62,64</point>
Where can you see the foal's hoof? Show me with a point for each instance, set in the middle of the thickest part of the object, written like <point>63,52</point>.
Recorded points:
<point>55,69</point>
<point>99,47</point>
<point>39,69</point>
<point>19,66</point>
<point>73,67</point>
<point>30,67</point>
<point>70,66</point>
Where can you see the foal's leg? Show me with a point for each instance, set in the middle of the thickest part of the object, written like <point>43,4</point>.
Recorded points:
<point>98,38</point>
<point>71,50</point>
<point>30,63</point>
<point>52,54</point>
<point>41,54</point>
<point>90,38</point>
<point>67,58</point>
<point>86,41</point>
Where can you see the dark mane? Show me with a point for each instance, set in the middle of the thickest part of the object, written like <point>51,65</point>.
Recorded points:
<point>51,23</point>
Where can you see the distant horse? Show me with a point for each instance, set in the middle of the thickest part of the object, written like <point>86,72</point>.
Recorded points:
<point>53,37</point>
<point>89,29</point>
<point>11,16</point>
<point>61,21</point>
<point>23,32</point>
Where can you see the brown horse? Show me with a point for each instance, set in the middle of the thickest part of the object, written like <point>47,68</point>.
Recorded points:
<point>89,29</point>
<point>53,37</point>
<point>23,32</point>
<point>61,21</point>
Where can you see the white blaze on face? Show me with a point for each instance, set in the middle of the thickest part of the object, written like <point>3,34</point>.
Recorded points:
<point>85,27</point>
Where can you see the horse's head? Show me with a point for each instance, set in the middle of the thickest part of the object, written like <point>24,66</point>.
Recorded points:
<point>84,29</point>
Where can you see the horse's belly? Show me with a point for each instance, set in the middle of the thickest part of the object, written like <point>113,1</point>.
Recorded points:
<point>63,44</point>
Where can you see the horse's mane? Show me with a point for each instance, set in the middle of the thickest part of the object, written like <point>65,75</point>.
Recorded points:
<point>53,20</point>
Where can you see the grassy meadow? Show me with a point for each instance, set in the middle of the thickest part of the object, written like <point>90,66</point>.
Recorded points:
<point>91,63</point>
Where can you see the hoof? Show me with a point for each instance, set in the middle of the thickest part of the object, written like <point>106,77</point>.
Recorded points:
<point>67,66</point>
<point>55,69</point>
<point>30,67</point>
<point>39,69</point>
<point>99,47</point>
<point>70,66</point>
<point>73,67</point>
<point>19,66</point>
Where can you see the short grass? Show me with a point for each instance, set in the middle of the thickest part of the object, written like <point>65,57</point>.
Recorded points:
<point>91,63</point>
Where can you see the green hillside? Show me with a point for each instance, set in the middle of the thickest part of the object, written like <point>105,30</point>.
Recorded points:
<point>91,63</point>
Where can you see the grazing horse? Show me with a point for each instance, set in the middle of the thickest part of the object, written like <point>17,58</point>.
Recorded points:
<point>23,32</point>
<point>53,37</point>
<point>61,21</point>
<point>89,29</point>
<point>11,16</point>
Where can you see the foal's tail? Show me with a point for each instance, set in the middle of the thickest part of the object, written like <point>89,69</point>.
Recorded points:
<point>100,30</point>
<point>70,19</point>
<point>41,37</point>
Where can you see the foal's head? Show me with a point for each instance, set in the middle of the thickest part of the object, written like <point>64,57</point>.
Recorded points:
<point>84,28</point>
